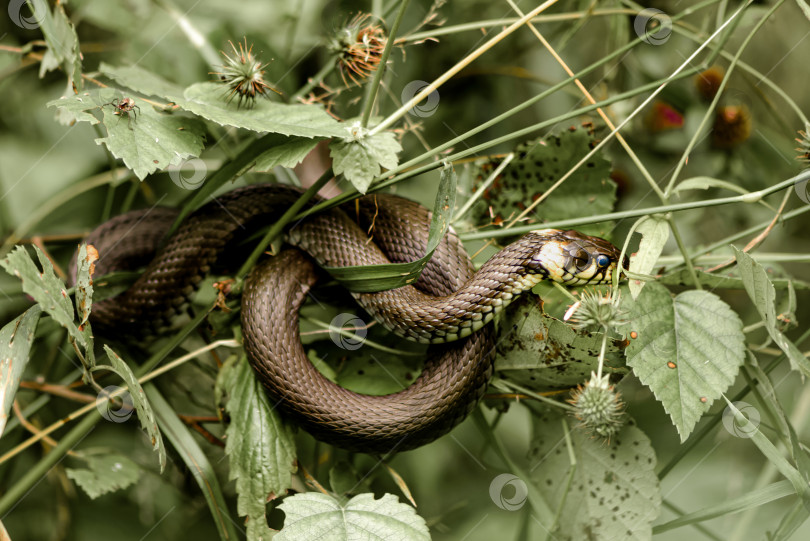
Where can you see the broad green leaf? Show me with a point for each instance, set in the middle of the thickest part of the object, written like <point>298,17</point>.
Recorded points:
<point>195,460</point>
<point>370,278</point>
<point>360,158</point>
<point>313,516</point>
<point>15,345</point>
<point>288,154</point>
<point>210,101</point>
<point>687,349</point>
<point>541,352</point>
<point>704,183</point>
<point>139,400</point>
<point>63,43</point>
<point>538,164</point>
<point>143,81</point>
<point>614,493</point>
<point>104,473</point>
<point>145,139</point>
<point>763,295</point>
<point>44,286</point>
<point>259,445</point>
<point>684,278</point>
<point>654,231</point>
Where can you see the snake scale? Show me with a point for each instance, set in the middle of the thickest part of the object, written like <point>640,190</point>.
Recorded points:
<point>449,305</point>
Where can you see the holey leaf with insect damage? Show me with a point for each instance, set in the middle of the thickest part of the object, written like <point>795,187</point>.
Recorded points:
<point>614,492</point>
<point>687,349</point>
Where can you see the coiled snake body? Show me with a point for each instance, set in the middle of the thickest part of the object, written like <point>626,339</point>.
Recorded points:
<point>449,303</point>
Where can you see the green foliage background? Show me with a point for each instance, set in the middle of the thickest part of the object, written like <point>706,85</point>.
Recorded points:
<point>57,182</point>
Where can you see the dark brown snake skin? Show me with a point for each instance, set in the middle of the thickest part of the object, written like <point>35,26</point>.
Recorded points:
<point>447,303</point>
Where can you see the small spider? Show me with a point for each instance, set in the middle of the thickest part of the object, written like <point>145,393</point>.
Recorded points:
<point>125,106</point>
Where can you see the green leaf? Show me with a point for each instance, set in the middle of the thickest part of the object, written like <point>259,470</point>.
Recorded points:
<point>371,278</point>
<point>287,154</point>
<point>762,293</point>
<point>196,461</point>
<point>104,473</point>
<point>654,231</point>
<point>63,43</point>
<point>614,492</point>
<point>704,183</point>
<point>541,352</point>
<point>145,139</point>
<point>15,345</point>
<point>139,400</point>
<point>45,287</point>
<point>143,81</point>
<point>360,158</point>
<point>259,445</point>
<point>209,100</point>
<point>538,164</point>
<point>314,516</point>
<point>688,350</point>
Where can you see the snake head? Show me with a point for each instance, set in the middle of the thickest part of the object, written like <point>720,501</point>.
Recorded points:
<point>571,258</point>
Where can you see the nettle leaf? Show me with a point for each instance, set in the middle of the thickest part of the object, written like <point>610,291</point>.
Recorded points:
<point>614,493</point>
<point>104,473</point>
<point>44,286</point>
<point>314,516</point>
<point>259,445</point>
<point>541,352</point>
<point>761,291</point>
<point>538,164</point>
<point>142,406</point>
<point>288,154</point>
<point>210,101</point>
<point>688,349</point>
<point>360,157</point>
<point>15,346</point>
<point>654,231</point>
<point>145,139</point>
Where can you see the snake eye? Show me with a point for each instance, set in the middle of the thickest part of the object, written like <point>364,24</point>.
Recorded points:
<point>582,259</point>
<point>602,261</point>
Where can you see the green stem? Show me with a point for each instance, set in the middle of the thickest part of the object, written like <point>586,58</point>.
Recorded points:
<point>710,111</point>
<point>682,248</point>
<point>314,81</point>
<point>400,171</point>
<point>371,94</point>
<point>634,213</point>
<point>286,218</point>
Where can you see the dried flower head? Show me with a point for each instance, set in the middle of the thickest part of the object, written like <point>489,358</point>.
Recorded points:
<point>360,45</point>
<point>244,74</point>
<point>598,406</point>
<point>708,82</point>
<point>732,126</point>
<point>595,312</point>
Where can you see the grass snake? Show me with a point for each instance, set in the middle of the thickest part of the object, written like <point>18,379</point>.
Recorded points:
<point>448,306</point>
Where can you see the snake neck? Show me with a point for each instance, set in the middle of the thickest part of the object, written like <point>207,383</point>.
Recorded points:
<point>427,319</point>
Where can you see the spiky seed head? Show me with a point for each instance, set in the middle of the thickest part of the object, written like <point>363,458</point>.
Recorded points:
<point>598,406</point>
<point>804,145</point>
<point>359,45</point>
<point>244,74</point>
<point>595,311</point>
